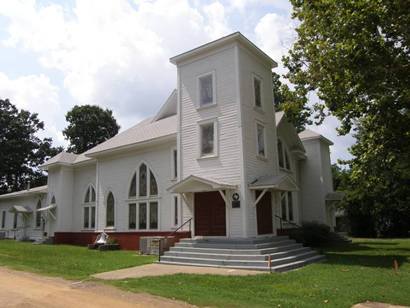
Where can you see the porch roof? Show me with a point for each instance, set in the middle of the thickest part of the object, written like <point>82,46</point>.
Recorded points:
<point>195,183</point>
<point>278,182</point>
<point>46,208</point>
<point>20,209</point>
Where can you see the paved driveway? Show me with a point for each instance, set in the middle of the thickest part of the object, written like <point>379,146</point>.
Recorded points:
<point>21,289</point>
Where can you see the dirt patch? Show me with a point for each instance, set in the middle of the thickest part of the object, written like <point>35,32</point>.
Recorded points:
<point>376,305</point>
<point>21,289</point>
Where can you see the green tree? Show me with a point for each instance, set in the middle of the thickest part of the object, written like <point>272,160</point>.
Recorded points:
<point>21,151</point>
<point>355,55</point>
<point>292,102</point>
<point>89,126</point>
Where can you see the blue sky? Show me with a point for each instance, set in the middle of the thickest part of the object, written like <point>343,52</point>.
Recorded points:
<point>114,53</point>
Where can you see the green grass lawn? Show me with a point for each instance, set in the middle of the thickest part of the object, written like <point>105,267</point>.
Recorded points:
<point>65,261</point>
<point>353,273</point>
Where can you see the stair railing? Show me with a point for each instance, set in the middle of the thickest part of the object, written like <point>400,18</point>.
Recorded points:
<point>281,220</point>
<point>180,227</point>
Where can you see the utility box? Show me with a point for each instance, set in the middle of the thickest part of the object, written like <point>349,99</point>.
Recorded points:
<point>155,245</point>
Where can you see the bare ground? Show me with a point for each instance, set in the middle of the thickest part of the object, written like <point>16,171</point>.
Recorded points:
<point>22,289</point>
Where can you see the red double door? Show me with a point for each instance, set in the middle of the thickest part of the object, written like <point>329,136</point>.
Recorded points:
<point>210,214</point>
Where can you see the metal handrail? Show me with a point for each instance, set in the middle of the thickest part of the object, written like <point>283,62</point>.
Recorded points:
<point>281,219</point>
<point>181,226</point>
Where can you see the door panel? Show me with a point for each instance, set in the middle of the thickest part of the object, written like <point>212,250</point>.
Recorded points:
<point>210,214</point>
<point>264,213</point>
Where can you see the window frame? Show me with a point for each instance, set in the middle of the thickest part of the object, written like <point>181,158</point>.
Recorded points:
<point>285,155</point>
<point>149,198</point>
<point>215,153</point>
<point>260,79</point>
<point>3,219</point>
<point>285,196</point>
<point>174,164</point>
<point>91,205</point>
<point>37,217</point>
<point>198,87</point>
<point>106,211</point>
<point>265,155</point>
<point>176,210</point>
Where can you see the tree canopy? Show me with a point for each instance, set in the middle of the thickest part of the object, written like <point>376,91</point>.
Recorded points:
<point>292,102</point>
<point>21,150</point>
<point>355,55</point>
<point>89,126</point>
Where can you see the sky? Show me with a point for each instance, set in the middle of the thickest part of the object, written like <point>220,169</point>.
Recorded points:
<point>115,53</point>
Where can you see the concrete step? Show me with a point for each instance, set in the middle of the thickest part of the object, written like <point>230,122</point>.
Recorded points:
<point>275,249</point>
<point>237,262</point>
<point>278,268</point>
<point>235,245</point>
<point>233,256</point>
<point>224,240</point>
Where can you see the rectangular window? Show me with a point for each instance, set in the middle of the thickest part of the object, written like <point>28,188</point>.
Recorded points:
<point>261,140</point>
<point>175,210</point>
<point>132,216</point>
<point>15,221</point>
<point>290,206</point>
<point>207,132</point>
<point>3,220</point>
<point>86,217</point>
<point>153,215</point>
<point>175,163</point>
<point>92,217</point>
<point>142,216</point>
<point>283,206</point>
<point>257,90</point>
<point>206,90</point>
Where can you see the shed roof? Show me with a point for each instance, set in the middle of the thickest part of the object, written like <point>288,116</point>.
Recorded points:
<point>26,192</point>
<point>278,182</point>
<point>308,134</point>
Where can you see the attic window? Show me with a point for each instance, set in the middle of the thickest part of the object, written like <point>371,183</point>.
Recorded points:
<point>257,91</point>
<point>206,89</point>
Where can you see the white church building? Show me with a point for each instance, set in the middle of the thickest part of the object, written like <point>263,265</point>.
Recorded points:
<point>215,154</point>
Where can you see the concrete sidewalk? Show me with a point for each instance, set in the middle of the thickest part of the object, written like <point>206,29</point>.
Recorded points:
<point>165,269</point>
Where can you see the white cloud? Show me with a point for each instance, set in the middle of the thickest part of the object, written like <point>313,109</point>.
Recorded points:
<point>217,22</point>
<point>275,34</point>
<point>36,94</point>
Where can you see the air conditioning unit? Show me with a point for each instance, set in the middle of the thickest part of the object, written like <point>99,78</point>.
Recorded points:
<point>155,245</point>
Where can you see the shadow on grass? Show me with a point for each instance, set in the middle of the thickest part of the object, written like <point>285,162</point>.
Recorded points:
<point>365,260</point>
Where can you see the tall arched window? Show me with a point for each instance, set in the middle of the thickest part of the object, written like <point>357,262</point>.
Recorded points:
<point>38,214</point>
<point>110,210</point>
<point>143,204</point>
<point>53,200</point>
<point>89,208</point>
<point>284,161</point>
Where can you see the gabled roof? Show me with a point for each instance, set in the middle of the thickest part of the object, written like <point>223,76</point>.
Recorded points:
<point>26,192</point>
<point>278,117</point>
<point>145,132</point>
<point>296,147</point>
<point>278,182</point>
<point>236,36</point>
<point>308,134</point>
<point>20,209</point>
<point>61,158</point>
<point>169,108</point>
<point>195,183</point>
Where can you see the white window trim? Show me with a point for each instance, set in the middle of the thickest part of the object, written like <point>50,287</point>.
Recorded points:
<point>198,87</point>
<point>285,196</point>
<point>285,149</point>
<point>178,210</point>
<point>89,205</point>
<point>137,222</point>
<point>174,168</point>
<point>255,76</point>
<point>3,212</point>
<point>216,138</point>
<point>265,156</point>
<point>115,211</point>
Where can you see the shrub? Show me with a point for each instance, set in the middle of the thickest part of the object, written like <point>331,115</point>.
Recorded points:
<point>312,234</point>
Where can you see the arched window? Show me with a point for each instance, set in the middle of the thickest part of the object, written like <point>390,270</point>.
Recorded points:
<point>284,161</point>
<point>53,200</point>
<point>110,210</point>
<point>143,212</point>
<point>38,214</point>
<point>89,195</point>
<point>89,208</point>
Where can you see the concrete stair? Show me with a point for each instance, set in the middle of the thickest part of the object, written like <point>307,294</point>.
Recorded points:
<point>246,253</point>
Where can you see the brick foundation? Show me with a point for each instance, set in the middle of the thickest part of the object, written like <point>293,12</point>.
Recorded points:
<point>127,240</point>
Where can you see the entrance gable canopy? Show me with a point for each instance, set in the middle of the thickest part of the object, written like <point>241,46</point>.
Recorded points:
<point>195,183</point>
<point>20,209</point>
<point>281,182</point>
